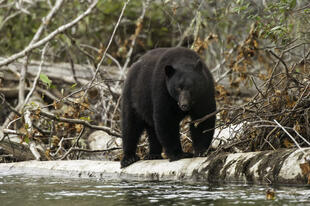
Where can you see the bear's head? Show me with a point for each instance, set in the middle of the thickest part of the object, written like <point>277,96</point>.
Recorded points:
<point>184,83</point>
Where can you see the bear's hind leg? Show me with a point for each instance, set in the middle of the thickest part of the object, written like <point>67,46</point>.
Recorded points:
<point>154,145</point>
<point>132,128</point>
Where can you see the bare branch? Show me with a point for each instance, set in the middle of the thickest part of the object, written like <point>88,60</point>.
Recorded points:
<point>46,21</point>
<point>198,121</point>
<point>79,121</point>
<point>87,150</point>
<point>292,138</point>
<point>22,79</point>
<point>281,60</point>
<point>110,41</point>
<point>137,31</point>
<point>38,75</point>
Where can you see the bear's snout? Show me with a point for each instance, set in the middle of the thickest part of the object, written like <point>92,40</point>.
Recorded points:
<point>184,101</point>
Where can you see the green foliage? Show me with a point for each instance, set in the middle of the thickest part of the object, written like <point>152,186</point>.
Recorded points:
<point>44,78</point>
<point>277,21</point>
<point>26,139</point>
<point>85,119</point>
<point>242,6</point>
<point>73,86</point>
<point>161,25</point>
<point>164,25</point>
<point>18,31</point>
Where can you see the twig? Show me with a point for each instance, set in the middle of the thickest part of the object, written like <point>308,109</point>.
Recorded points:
<point>292,138</point>
<point>285,66</point>
<point>281,60</point>
<point>137,31</point>
<point>306,117</point>
<point>87,150</point>
<point>79,121</point>
<point>108,55</point>
<point>37,77</point>
<point>252,78</point>
<point>46,20</point>
<point>305,7</point>
<point>8,18</point>
<point>197,28</point>
<point>198,121</point>
<point>116,107</point>
<point>301,137</point>
<point>188,29</point>
<point>133,42</point>
<point>15,112</point>
<point>10,131</point>
<point>8,105</point>
<point>74,144</point>
<point>22,102</point>
<point>299,99</point>
<point>59,148</point>
<point>32,145</point>
<point>22,79</point>
<point>106,50</point>
<point>78,137</point>
<point>295,46</point>
<point>34,151</point>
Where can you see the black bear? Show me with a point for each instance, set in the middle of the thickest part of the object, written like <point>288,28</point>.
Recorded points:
<point>161,88</point>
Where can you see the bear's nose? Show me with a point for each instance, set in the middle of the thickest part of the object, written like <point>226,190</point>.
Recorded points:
<point>184,107</point>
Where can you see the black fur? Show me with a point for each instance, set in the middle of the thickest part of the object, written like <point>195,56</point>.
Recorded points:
<point>164,86</point>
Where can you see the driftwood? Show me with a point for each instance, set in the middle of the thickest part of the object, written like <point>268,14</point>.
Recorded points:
<point>62,71</point>
<point>271,167</point>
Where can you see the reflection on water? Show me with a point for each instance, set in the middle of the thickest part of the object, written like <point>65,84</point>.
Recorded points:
<point>25,190</point>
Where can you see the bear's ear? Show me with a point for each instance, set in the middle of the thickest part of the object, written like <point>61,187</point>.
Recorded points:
<point>198,66</point>
<point>169,70</point>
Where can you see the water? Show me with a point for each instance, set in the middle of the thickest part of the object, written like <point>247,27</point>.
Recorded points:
<point>43,191</point>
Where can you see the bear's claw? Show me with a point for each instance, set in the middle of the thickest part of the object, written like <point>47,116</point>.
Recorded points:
<point>128,160</point>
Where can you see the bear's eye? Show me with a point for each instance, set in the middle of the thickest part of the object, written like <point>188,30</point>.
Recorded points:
<point>180,88</point>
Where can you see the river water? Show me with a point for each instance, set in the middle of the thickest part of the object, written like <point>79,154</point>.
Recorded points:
<point>43,191</point>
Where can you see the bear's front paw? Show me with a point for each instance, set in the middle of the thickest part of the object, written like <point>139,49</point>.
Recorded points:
<point>180,156</point>
<point>128,160</point>
<point>153,157</point>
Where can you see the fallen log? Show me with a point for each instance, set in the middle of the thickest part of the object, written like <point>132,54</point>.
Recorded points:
<point>65,72</point>
<point>272,167</point>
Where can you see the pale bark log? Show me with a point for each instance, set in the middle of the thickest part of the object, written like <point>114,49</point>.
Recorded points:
<point>272,167</point>
<point>61,71</point>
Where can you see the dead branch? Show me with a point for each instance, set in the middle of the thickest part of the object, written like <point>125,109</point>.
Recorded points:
<point>106,50</point>
<point>37,77</point>
<point>75,149</point>
<point>79,121</point>
<point>135,35</point>
<point>204,118</point>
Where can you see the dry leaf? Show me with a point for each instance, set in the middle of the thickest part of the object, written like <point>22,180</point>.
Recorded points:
<point>270,194</point>
<point>305,170</point>
<point>287,143</point>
